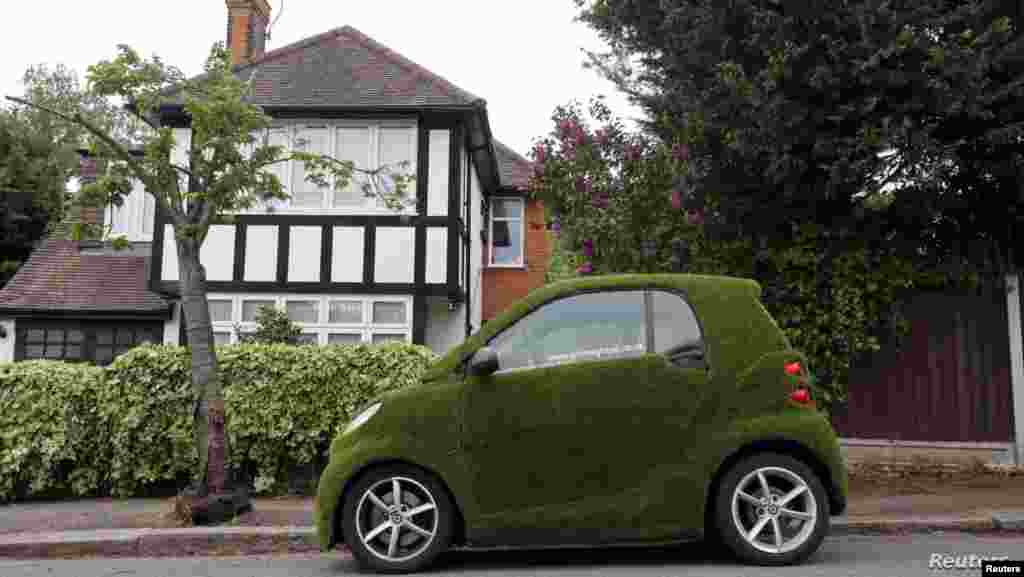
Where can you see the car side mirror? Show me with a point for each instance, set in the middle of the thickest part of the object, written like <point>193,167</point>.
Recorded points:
<point>483,362</point>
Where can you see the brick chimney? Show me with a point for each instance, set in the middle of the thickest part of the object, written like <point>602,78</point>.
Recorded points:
<point>86,175</point>
<point>247,29</point>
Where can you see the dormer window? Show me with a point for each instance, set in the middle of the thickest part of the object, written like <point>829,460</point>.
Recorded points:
<point>134,218</point>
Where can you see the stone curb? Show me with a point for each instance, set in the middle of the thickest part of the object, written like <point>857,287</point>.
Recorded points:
<point>185,542</point>
<point>1004,522</point>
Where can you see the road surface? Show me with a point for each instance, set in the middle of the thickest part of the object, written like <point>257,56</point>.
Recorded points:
<point>854,555</point>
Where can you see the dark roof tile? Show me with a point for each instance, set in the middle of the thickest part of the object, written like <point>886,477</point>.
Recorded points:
<point>344,67</point>
<point>512,166</point>
<point>58,277</point>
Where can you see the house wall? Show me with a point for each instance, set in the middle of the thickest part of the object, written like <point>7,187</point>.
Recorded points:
<point>7,342</point>
<point>503,286</point>
<point>360,247</point>
<point>444,328</point>
<point>172,327</point>
<point>476,251</point>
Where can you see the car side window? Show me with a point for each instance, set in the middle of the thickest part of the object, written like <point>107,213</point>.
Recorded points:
<point>677,333</point>
<point>588,326</point>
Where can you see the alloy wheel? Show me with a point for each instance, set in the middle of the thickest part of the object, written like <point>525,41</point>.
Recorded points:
<point>396,519</point>
<point>774,510</point>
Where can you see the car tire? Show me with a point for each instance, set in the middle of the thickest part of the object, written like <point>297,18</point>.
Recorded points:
<point>783,525</point>
<point>369,518</point>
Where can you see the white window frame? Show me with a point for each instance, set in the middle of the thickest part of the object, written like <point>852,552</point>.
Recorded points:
<point>522,232</point>
<point>366,328</point>
<point>369,205</point>
<point>132,213</point>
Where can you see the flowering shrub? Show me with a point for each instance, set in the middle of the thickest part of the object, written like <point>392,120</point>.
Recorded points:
<point>620,201</point>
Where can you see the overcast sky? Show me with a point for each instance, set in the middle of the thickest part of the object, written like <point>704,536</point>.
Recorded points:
<point>523,57</point>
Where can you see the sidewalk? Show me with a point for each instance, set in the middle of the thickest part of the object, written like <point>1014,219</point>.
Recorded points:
<point>140,527</point>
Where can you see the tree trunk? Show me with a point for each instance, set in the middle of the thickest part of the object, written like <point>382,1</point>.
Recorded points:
<point>208,392</point>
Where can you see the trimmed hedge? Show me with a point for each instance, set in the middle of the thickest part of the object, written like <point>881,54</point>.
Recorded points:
<point>78,429</point>
<point>49,429</point>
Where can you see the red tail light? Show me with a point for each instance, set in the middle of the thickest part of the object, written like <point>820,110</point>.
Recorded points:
<point>802,396</point>
<point>792,368</point>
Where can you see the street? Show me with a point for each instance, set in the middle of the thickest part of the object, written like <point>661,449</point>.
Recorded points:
<point>860,556</point>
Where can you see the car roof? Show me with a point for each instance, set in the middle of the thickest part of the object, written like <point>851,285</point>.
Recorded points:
<point>739,296</point>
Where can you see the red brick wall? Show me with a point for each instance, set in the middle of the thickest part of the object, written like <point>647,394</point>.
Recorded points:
<point>502,286</point>
<point>244,15</point>
<point>87,173</point>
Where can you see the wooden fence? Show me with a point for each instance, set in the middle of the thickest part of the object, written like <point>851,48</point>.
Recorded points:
<point>950,381</point>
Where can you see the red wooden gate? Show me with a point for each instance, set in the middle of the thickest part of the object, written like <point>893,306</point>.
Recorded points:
<point>949,382</point>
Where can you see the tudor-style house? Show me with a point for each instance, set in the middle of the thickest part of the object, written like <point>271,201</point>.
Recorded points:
<point>342,265</point>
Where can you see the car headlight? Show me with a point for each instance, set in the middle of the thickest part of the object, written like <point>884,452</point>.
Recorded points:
<point>361,418</point>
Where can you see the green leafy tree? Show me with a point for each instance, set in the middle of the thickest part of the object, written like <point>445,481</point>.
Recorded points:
<point>229,169</point>
<point>799,112</point>
<point>272,326</point>
<point>32,179</point>
<point>617,207</point>
<point>38,155</point>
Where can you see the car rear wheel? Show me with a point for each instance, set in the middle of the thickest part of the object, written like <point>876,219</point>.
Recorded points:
<point>771,509</point>
<point>397,519</point>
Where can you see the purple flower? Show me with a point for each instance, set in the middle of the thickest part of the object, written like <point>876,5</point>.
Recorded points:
<point>538,153</point>
<point>694,217</point>
<point>601,137</point>
<point>585,268</point>
<point>599,200</point>
<point>680,151</point>
<point>581,137</point>
<point>677,199</point>
<point>632,152</point>
<point>588,248</point>
<point>538,169</point>
<point>565,127</point>
<point>556,225</point>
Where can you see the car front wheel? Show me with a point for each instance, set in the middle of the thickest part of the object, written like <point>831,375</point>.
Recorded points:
<point>771,509</point>
<point>397,519</point>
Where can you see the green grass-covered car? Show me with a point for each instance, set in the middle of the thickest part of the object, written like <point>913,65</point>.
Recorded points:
<point>630,409</point>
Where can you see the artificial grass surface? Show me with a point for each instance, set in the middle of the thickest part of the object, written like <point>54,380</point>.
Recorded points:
<point>613,447</point>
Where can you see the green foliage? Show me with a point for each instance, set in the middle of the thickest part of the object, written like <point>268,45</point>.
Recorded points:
<point>562,264</point>
<point>837,295</point>
<point>812,113</point>
<point>49,429</point>
<point>82,430</point>
<point>284,404</point>
<point>272,326</point>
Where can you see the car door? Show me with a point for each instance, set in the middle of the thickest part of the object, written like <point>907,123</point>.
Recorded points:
<point>665,446</point>
<point>541,430</point>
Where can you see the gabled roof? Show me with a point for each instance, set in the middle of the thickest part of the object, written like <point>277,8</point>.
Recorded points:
<point>58,277</point>
<point>343,68</point>
<point>513,168</point>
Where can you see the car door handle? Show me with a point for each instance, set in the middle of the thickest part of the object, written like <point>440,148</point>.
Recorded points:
<point>688,355</point>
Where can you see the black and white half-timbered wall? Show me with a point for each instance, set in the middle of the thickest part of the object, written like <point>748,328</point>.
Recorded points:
<point>342,265</point>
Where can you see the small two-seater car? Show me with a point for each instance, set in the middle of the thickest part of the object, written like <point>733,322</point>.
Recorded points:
<point>633,409</point>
